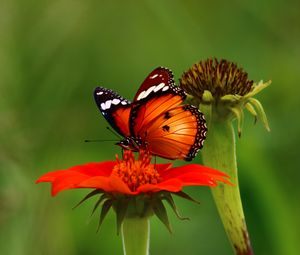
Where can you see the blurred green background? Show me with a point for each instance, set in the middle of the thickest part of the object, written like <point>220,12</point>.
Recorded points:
<point>53,54</point>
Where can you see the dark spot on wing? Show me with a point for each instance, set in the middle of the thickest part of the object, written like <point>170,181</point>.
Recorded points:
<point>167,115</point>
<point>166,128</point>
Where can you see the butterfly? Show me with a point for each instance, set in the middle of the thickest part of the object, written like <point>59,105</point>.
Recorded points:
<point>155,120</point>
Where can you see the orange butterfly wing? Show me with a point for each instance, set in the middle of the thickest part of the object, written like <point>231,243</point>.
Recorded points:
<point>177,133</point>
<point>143,115</point>
<point>159,121</point>
<point>155,120</point>
<point>121,120</point>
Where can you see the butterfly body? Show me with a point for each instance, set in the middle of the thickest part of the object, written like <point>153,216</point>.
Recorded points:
<point>155,120</point>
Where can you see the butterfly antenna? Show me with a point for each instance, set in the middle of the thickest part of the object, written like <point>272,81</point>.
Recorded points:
<point>115,133</point>
<point>98,140</point>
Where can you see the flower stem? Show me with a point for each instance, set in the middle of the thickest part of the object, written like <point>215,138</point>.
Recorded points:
<point>136,235</point>
<point>219,152</point>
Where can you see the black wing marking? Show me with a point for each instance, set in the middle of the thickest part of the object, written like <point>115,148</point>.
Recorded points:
<point>114,108</point>
<point>152,98</point>
<point>160,80</point>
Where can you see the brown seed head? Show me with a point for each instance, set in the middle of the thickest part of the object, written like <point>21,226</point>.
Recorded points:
<point>219,77</point>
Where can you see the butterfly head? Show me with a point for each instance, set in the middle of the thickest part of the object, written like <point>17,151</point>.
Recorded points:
<point>129,143</point>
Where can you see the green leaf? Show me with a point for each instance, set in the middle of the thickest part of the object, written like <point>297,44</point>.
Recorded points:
<point>161,212</point>
<point>91,194</point>
<point>167,196</point>
<point>186,196</point>
<point>105,208</point>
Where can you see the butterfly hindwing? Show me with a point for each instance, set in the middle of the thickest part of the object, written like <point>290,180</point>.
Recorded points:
<point>178,133</point>
<point>114,108</point>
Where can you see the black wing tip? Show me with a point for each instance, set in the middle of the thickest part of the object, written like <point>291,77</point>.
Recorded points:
<point>100,88</point>
<point>165,69</point>
<point>171,81</point>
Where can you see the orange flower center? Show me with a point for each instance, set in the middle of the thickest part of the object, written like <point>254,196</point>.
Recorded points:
<point>136,172</point>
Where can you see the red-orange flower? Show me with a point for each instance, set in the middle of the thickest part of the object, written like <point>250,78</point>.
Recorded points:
<point>133,187</point>
<point>132,176</point>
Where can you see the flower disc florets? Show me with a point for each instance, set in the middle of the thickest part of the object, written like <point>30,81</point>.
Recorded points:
<point>225,88</point>
<point>219,77</point>
<point>136,172</point>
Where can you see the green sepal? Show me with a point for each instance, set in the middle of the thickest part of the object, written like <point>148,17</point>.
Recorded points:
<point>207,97</point>
<point>257,88</point>
<point>239,114</point>
<point>168,197</point>
<point>147,210</point>
<point>100,200</point>
<point>105,208</point>
<point>186,196</point>
<point>230,98</point>
<point>161,212</point>
<point>251,109</point>
<point>261,113</point>
<point>89,195</point>
<point>120,207</point>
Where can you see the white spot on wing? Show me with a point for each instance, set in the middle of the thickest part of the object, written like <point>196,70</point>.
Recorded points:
<point>165,88</point>
<point>154,76</point>
<point>115,101</point>
<point>149,91</point>
<point>124,103</point>
<point>107,104</point>
<point>99,93</point>
<point>159,87</point>
<point>146,93</point>
<point>103,106</point>
<point>141,95</point>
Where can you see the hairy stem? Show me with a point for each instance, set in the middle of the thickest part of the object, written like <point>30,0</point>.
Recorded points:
<point>219,152</point>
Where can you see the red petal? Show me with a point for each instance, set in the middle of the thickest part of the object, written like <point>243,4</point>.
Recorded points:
<point>70,178</point>
<point>97,182</point>
<point>197,180</point>
<point>95,169</point>
<point>50,177</point>
<point>192,168</point>
<point>109,184</point>
<point>172,185</point>
<point>118,185</point>
<point>162,167</point>
<point>67,180</point>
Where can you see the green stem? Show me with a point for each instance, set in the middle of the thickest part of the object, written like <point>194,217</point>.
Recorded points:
<point>136,235</point>
<point>219,152</point>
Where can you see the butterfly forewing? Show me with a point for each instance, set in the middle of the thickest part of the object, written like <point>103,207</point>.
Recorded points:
<point>159,81</point>
<point>156,95</point>
<point>114,108</point>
